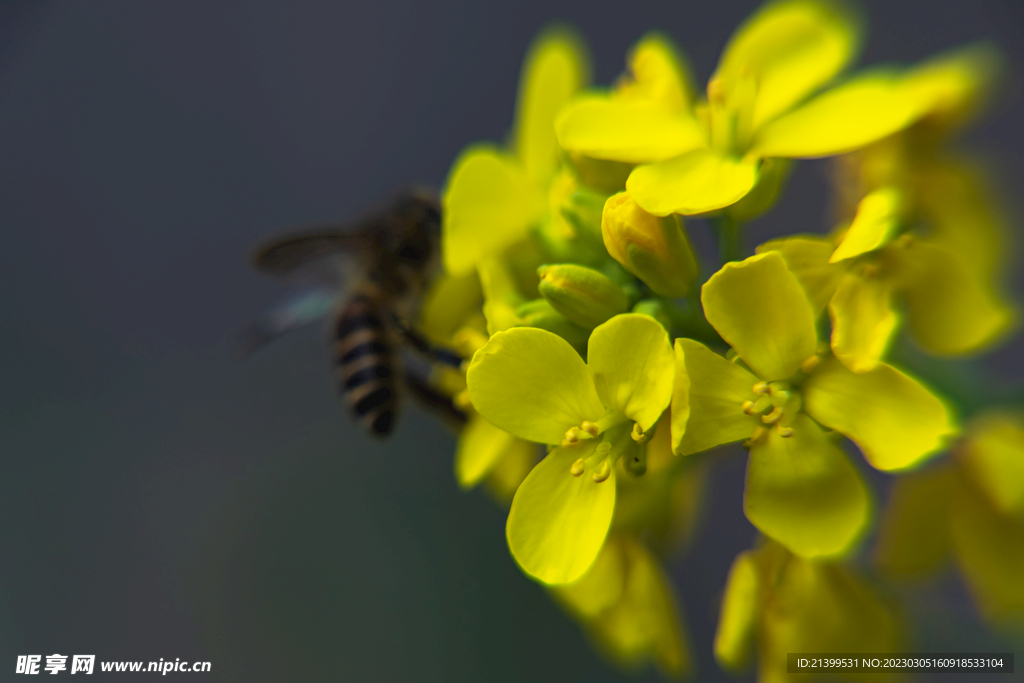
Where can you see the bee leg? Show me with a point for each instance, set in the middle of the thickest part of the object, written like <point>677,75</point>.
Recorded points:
<point>435,401</point>
<point>422,346</point>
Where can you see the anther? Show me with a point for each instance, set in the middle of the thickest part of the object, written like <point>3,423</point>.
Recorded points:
<point>590,428</point>
<point>759,433</point>
<point>577,468</point>
<point>772,417</point>
<point>810,363</point>
<point>784,432</point>
<point>572,435</point>
<point>762,388</point>
<point>748,407</point>
<point>603,473</point>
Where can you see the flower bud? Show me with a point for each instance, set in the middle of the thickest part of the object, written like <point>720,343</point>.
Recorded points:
<point>583,295</point>
<point>540,313</point>
<point>654,249</point>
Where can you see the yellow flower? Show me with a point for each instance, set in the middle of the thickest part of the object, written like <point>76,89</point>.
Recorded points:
<point>626,602</point>
<point>698,157</point>
<point>971,509</point>
<point>801,490</point>
<point>531,383</point>
<point>950,310</point>
<point>494,196</point>
<point>789,604</point>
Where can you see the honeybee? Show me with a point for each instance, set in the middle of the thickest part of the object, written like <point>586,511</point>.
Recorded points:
<point>367,280</point>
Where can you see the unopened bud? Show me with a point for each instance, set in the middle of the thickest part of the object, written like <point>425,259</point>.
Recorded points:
<point>583,295</point>
<point>654,249</point>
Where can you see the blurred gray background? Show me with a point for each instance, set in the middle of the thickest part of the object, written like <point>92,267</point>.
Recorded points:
<point>158,500</point>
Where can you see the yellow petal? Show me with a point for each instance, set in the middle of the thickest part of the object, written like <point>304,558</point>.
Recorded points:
<point>531,383</point>
<point>993,457</point>
<point>448,304</point>
<point>600,588</point>
<point>951,310</point>
<point>630,358</point>
<point>489,203</point>
<point>738,617</point>
<point>839,120</point>
<point>631,131</point>
<point>914,537</point>
<point>873,226</point>
<point>807,257</point>
<point>711,412</point>
<point>646,621</point>
<point>863,322</point>
<point>481,446</point>
<point>696,182</point>
<point>803,492</point>
<point>510,471</point>
<point>989,548</point>
<point>556,67</point>
<point>761,310</point>
<point>895,421</point>
<point>660,74</point>
<point>790,49</point>
<point>558,522</point>
<point>951,88</point>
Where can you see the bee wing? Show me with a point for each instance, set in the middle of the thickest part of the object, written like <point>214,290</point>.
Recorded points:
<point>296,312</point>
<point>285,256</point>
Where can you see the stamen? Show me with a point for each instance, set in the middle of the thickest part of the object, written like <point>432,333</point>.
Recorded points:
<point>810,363</point>
<point>762,388</point>
<point>603,473</point>
<point>572,435</point>
<point>590,428</point>
<point>759,433</point>
<point>784,432</point>
<point>577,468</point>
<point>748,407</point>
<point>772,417</point>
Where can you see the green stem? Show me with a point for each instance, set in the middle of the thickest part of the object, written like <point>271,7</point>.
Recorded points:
<point>730,238</point>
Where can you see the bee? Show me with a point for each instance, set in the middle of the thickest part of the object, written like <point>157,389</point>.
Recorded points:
<point>367,280</point>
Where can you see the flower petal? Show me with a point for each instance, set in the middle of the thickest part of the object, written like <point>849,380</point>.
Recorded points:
<point>951,310</point>
<point>803,492</point>
<point>696,182</point>
<point>840,120</point>
<point>807,257</point>
<point>627,130</point>
<point>790,49</point>
<point>762,312</point>
<point>630,359</point>
<point>914,534</point>
<point>993,456</point>
<point>738,616</point>
<point>556,67</point>
<point>532,384</point>
<point>863,322</point>
<point>558,522</point>
<point>481,446</point>
<point>873,226</point>
<point>488,204</point>
<point>895,421</point>
<point>601,586</point>
<point>660,74</point>
<point>711,412</point>
<point>989,548</point>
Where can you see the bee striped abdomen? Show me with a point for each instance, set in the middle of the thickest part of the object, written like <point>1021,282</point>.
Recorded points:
<point>364,353</point>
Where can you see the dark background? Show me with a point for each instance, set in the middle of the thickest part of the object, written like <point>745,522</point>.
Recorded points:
<point>158,500</point>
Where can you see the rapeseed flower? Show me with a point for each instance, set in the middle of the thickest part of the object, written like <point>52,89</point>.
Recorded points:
<point>785,603</point>
<point>801,489</point>
<point>495,196</point>
<point>533,384</point>
<point>970,510</point>
<point>696,157</point>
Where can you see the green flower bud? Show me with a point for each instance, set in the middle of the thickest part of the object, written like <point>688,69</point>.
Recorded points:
<point>583,295</point>
<point>540,313</point>
<point>654,249</point>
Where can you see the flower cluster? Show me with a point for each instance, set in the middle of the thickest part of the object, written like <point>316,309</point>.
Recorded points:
<point>573,292</point>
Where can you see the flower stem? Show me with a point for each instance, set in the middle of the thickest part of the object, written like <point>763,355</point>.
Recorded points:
<point>730,238</point>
